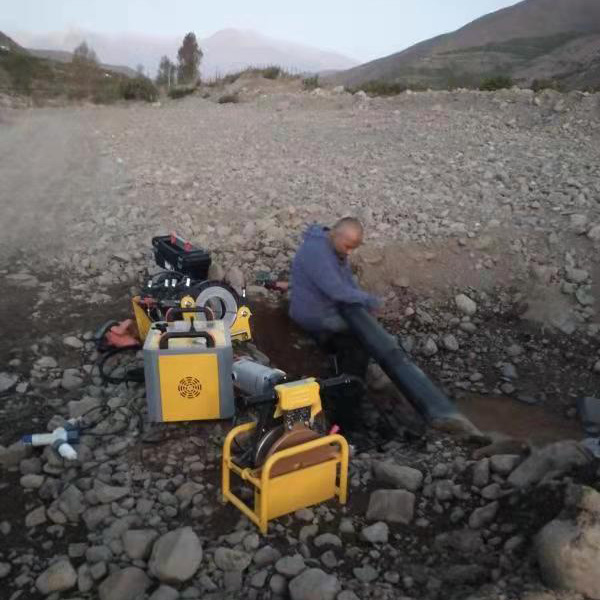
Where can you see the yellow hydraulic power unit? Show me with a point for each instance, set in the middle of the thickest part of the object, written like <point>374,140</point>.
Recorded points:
<point>187,367</point>
<point>294,465</point>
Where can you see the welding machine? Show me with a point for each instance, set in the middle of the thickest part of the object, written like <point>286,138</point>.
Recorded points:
<point>187,367</point>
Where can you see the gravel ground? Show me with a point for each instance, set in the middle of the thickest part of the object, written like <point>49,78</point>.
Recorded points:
<point>483,223</point>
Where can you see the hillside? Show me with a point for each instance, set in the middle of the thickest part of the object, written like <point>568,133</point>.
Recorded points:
<point>535,39</point>
<point>43,80</point>
<point>67,57</point>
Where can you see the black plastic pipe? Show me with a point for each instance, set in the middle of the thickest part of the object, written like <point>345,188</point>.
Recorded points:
<point>430,402</point>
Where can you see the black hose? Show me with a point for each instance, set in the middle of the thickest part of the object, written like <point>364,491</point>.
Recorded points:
<point>430,402</point>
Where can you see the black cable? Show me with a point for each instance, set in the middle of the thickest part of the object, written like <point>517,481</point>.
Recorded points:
<point>135,375</point>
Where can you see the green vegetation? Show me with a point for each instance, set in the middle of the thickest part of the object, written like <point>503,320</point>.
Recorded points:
<point>311,83</point>
<point>523,48</point>
<point>24,70</point>
<point>180,91</point>
<point>380,87</point>
<point>139,88</point>
<point>537,85</point>
<point>229,99</point>
<point>273,72</point>
<point>499,82</point>
<point>43,79</point>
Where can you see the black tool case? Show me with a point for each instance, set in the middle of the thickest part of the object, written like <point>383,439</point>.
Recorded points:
<point>174,254</point>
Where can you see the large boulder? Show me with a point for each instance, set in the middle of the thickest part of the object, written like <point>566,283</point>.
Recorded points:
<point>176,556</point>
<point>568,548</point>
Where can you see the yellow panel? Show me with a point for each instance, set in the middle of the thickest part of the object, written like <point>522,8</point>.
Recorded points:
<point>142,320</point>
<point>299,394</point>
<point>310,486</point>
<point>189,386</point>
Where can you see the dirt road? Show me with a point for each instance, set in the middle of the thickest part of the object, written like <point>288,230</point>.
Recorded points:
<point>52,170</point>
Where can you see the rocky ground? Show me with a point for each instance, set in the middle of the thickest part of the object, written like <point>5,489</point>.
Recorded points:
<point>483,223</point>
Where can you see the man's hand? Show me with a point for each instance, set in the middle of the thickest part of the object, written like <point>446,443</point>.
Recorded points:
<point>281,286</point>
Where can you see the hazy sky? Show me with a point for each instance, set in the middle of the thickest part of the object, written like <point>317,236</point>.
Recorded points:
<point>362,29</point>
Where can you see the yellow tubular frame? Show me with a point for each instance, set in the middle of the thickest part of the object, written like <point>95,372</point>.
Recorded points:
<point>260,514</point>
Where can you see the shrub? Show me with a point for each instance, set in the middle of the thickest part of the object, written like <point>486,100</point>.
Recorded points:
<point>229,99</point>
<point>379,87</point>
<point>311,83</point>
<point>139,88</point>
<point>180,91</point>
<point>537,85</point>
<point>271,72</point>
<point>499,82</point>
<point>107,94</point>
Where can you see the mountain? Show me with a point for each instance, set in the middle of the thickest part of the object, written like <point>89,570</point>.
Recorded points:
<point>225,51</point>
<point>231,50</point>
<point>66,57</point>
<point>534,39</point>
<point>8,44</point>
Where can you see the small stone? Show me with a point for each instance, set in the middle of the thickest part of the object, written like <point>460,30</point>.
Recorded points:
<point>395,506</point>
<point>5,569</point>
<point>109,493</point>
<point>32,482</point>
<point>59,577</point>
<point>259,579</point>
<point>504,464</point>
<point>314,584</point>
<point>124,584</point>
<point>7,381</point>
<point>278,584</point>
<point>267,555</point>
<point>137,543</point>
<point>73,342</point>
<point>366,574</point>
<point>290,566</point>
<point>164,592</point>
<point>228,559</point>
<point>483,516</point>
<point>509,371</point>
<point>305,514</point>
<point>36,517</point>
<point>491,492</point>
<point>450,343</point>
<point>514,350</point>
<point>399,476</point>
<point>327,539</point>
<point>71,379</point>
<point>329,559</point>
<point>377,533</point>
<point>481,473</point>
<point>465,304</point>
<point>176,556</point>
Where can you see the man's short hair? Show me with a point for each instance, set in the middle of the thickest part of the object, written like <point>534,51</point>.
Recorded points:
<point>348,223</point>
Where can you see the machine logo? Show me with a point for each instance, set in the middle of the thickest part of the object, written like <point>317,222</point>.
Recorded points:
<point>189,387</point>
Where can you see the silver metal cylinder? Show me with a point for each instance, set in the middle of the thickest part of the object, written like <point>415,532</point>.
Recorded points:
<point>252,378</point>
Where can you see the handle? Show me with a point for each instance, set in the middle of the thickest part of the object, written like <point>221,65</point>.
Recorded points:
<point>163,344</point>
<point>210,315</point>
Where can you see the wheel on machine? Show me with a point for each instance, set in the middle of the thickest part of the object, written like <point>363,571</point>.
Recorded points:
<point>218,296</point>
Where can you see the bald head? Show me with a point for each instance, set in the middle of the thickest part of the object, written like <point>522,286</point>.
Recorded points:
<point>346,236</point>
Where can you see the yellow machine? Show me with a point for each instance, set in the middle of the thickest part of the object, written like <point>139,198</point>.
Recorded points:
<point>239,330</point>
<point>187,368</point>
<point>293,465</point>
